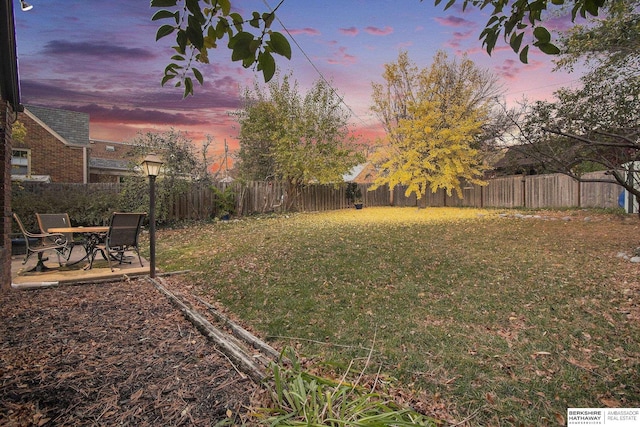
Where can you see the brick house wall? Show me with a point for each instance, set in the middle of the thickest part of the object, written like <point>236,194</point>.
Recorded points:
<point>5,195</point>
<point>51,154</point>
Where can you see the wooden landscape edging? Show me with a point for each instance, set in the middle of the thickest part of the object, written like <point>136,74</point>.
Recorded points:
<point>238,355</point>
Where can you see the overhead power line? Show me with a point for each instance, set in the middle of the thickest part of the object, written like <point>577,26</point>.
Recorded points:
<point>312,64</point>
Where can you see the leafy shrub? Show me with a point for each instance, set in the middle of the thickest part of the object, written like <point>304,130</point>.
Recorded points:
<point>85,206</point>
<point>353,192</point>
<point>224,202</point>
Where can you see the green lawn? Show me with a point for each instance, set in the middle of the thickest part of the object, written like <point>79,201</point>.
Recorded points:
<point>501,320</point>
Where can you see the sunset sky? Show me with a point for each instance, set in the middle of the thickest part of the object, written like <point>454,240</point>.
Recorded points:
<point>100,57</point>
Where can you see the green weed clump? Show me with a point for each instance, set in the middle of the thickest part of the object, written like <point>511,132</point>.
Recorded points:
<point>300,398</point>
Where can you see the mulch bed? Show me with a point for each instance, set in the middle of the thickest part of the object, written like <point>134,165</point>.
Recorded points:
<point>111,354</point>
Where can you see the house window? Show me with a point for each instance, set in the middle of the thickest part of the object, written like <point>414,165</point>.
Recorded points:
<point>21,162</point>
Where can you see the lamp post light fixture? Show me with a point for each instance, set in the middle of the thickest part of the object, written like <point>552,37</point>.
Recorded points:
<point>151,166</point>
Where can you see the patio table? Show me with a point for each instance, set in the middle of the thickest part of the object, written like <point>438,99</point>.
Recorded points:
<point>93,236</point>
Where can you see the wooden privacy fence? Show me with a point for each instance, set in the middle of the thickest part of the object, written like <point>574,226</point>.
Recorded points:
<point>538,191</point>
<point>535,192</point>
<point>263,197</point>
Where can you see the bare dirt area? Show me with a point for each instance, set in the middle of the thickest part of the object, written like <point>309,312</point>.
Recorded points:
<point>111,354</point>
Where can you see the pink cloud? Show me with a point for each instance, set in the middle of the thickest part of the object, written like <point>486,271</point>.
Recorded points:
<point>351,31</point>
<point>375,31</point>
<point>342,57</point>
<point>454,21</point>
<point>559,23</point>
<point>306,31</point>
<point>509,69</point>
<point>458,38</point>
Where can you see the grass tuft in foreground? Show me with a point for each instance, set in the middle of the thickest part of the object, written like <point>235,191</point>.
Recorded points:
<point>299,398</point>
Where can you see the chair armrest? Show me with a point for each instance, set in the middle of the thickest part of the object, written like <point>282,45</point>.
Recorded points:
<point>45,235</point>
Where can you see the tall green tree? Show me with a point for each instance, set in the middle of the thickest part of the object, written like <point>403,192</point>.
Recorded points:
<point>293,137</point>
<point>435,123</point>
<point>181,169</point>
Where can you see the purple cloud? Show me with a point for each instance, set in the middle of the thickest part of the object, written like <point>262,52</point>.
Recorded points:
<point>509,69</point>
<point>375,31</point>
<point>103,50</point>
<point>351,31</point>
<point>306,31</point>
<point>454,21</point>
<point>458,37</point>
<point>342,57</point>
<point>116,114</point>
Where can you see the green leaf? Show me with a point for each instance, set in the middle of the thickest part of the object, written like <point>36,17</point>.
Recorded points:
<point>188,87</point>
<point>280,45</point>
<point>523,55</point>
<point>177,58</point>
<point>194,33</point>
<point>164,14</point>
<point>449,4</point>
<point>516,41</point>
<point>548,48</point>
<point>490,36</point>
<point>267,64</point>
<point>166,78</point>
<point>163,3</point>
<point>255,22</point>
<point>222,27</point>
<point>198,75</point>
<point>509,25</point>
<point>164,31</point>
<point>268,19</point>
<point>240,46</point>
<point>171,69</point>
<point>194,7</point>
<point>591,6</point>
<point>237,20</point>
<point>225,6</point>
<point>182,40</point>
<point>542,35</point>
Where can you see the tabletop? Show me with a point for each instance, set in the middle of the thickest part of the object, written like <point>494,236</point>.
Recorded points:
<point>90,229</point>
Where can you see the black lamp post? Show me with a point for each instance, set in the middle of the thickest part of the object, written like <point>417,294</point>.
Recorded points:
<point>151,166</point>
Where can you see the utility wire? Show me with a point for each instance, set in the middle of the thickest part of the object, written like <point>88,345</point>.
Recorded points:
<point>312,64</point>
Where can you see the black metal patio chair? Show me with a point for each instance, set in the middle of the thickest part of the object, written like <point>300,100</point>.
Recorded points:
<point>39,243</point>
<point>123,234</point>
<point>59,220</point>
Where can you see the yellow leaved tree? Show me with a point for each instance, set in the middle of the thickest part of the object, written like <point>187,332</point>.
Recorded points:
<point>436,121</point>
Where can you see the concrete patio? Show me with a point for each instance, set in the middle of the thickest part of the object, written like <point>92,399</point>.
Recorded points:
<point>21,277</point>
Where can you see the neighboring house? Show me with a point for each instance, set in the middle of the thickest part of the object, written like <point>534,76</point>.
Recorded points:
<point>515,161</point>
<point>55,148</point>
<point>109,161</point>
<point>364,173</point>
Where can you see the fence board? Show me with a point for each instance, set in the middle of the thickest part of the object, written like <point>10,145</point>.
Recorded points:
<point>599,194</point>
<point>551,191</point>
